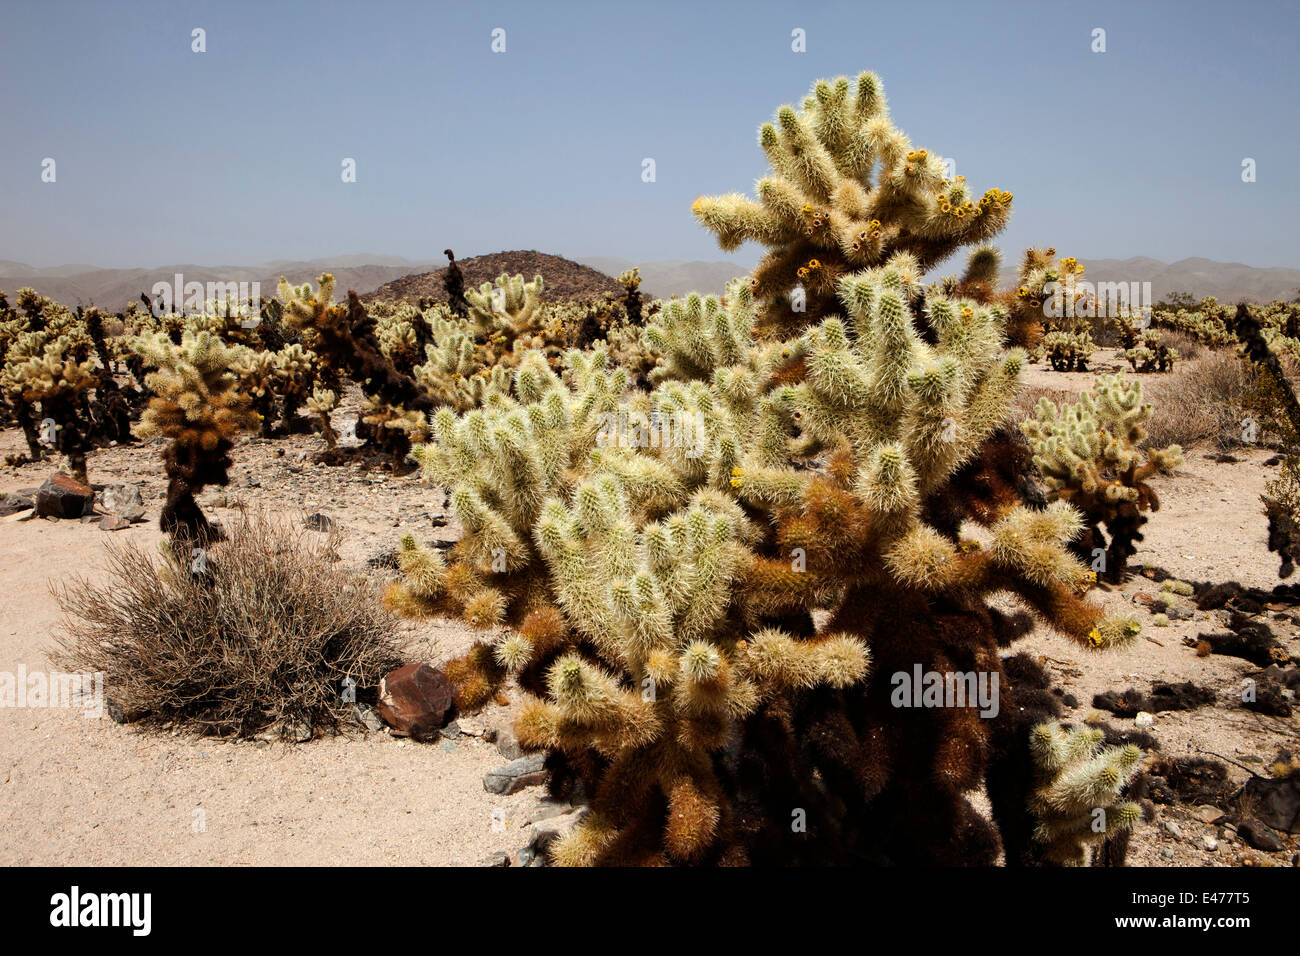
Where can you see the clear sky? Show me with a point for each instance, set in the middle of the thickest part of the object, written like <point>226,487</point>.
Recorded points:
<point>233,156</point>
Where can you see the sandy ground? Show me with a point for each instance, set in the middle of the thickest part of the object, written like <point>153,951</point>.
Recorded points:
<point>92,792</point>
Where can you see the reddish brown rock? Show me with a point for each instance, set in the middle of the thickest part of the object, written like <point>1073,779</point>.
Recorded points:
<point>62,496</point>
<point>415,701</point>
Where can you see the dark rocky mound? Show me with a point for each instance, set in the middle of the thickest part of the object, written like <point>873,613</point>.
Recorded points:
<point>564,279</point>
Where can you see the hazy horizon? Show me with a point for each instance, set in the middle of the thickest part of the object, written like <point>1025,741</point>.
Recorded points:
<point>233,156</point>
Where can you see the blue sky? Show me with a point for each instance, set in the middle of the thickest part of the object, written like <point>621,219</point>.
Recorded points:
<point>233,156</point>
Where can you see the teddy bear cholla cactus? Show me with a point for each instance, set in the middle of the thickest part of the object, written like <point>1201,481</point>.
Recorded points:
<point>508,320</point>
<point>1068,351</point>
<point>847,191</point>
<point>1076,798</point>
<point>1091,456</point>
<point>676,672</point>
<point>59,380</point>
<point>906,425</point>
<point>1151,354</point>
<point>609,583</point>
<point>501,462</point>
<point>198,404</point>
<point>322,402</point>
<point>344,338</point>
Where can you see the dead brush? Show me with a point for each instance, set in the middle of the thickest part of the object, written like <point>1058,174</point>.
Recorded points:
<point>1204,405</point>
<point>264,630</point>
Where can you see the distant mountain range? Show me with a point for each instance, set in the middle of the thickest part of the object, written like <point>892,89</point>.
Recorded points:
<point>115,288</point>
<point>1226,281</point>
<point>664,278</point>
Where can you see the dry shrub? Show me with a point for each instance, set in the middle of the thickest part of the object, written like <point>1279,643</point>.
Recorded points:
<point>266,636</point>
<point>1203,403</point>
<point>1028,397</point>
<point>1186,346</point>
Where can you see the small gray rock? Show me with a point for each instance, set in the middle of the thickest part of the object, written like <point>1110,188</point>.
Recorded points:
<point>499,858</point>
<point>448,746</point>
<point>451,731</point>
<point>114,523</point>
<point>507,744</point>
<point>546,832</point>
<point>516,775</point>
<point>298,731</point>
<point>122,500</point>
<point>1174,828</point>
<point>367,718</point>
<point>546,810</point>
<point>12,504</point>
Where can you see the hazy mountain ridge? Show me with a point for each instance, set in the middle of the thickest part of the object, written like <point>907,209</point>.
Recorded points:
<point>79,284</point>
<point>1226,281</point>
<point>116,288</point>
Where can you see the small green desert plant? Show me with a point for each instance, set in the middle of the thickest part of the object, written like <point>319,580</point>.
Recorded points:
<point>267,631</point>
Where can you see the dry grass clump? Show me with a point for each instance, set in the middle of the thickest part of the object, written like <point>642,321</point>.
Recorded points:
<point>1203,403</point>
<point>1182,343</point>
<point>266,635</point>
<point>1028,397</point>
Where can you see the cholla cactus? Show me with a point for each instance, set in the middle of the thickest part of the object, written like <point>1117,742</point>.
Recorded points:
<point>979,281</point>
<point>699,334</point>
<point>630,280</point>
<point>257,374</point>
<point>847,191</point>
<point>1076,797</point>
<point>1091,455</point>
<point>403,333</point>
<point>673,677</point>
<point>1151,354</point>
<point>322,402</point>
<point>1068,351</point>
<point>600,552</point>
<point>1044,286</point>
<point>201,408</point>
<point>501,462</point>
<point>47,363</point>
<point>59,382</point>
<point>344,339</point>
<point>712,635</point>
<point>506,311</point>
<point>1280,414</point>
<point>295,376</point>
